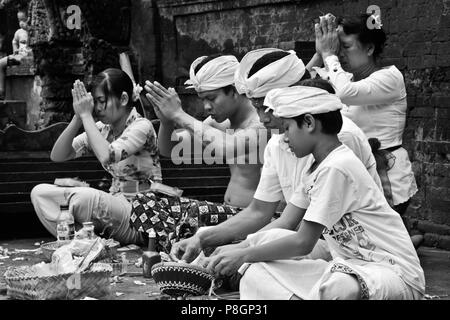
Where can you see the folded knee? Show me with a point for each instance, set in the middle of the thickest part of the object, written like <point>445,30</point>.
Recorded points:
<point>340,286</point>
<point>39,191</point>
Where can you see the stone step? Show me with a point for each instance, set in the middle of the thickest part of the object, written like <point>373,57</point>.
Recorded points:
<point>8,199</point>
<point>184,183</point>
<point>42,175</point>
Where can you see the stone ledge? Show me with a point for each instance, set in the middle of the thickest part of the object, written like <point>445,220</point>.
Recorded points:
<point>437,241</point>
<point>183,7</point>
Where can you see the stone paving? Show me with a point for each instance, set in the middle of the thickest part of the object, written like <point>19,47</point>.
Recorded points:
<point>133,286</point>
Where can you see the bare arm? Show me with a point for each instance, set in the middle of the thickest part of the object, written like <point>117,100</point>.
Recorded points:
<point>165,142</point>
<point>63,150</point>
<point>249,220</point>
<point>167,106</point>
<point>225,144</point>
<point>83,105</point>
<point>98,143</point>
<point>290,219</point>
<point>169,136</point>
<point>299,244</point>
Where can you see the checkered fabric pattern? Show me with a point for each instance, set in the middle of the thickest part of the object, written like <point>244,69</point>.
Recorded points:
<point>170,219</point>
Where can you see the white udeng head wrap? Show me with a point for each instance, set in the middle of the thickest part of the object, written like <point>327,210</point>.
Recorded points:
<point>294,101</point>
<point>279,74</point>
<point>215,74</point>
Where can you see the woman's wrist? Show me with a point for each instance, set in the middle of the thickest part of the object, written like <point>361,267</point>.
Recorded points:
<point>85,115</point>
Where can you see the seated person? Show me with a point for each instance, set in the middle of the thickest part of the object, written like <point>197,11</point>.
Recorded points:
<point>20,50</point>
<point>375,98</point>
<point>123,141</point>
<point>213,78</point>
<point>281,173</point>
<point>373,256</point>
<point>229,130</point>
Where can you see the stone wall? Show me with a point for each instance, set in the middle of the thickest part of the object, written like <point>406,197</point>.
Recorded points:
<point>63,54</point>
<point>418,44</point>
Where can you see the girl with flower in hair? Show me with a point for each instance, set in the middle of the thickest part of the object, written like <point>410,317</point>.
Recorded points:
<point>123,141</point>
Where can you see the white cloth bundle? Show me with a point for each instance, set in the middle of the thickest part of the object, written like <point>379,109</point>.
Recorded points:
<point>294,101</point>
<point>215,74</point>
<point>281,73</point>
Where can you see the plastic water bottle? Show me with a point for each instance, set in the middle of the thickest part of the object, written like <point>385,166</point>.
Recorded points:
<point>65,228</point>
<point>88,230</point>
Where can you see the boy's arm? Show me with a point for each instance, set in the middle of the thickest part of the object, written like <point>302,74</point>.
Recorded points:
<point>289,219</point>
<point>249,220</point>
<point>299,244</point>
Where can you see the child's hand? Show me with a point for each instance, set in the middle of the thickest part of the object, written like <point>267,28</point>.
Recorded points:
<point>226,263</point>
<point>83,102</point>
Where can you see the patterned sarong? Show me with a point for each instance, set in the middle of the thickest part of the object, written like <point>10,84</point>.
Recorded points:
<point>170,219</point>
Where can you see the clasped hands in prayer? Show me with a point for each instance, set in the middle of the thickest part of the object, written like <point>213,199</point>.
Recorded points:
<point>83,102</point>
<point>166,102</point>
<point>327,40</point>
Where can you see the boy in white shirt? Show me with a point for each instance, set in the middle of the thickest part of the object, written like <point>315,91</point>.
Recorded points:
<point>373,257</point>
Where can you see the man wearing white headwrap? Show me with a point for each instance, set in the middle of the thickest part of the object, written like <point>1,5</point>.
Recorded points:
<point>214,74</point>
<point>281,173</point>
<point>213,78</point>
<point>279,74</point>
<point>373,256</point>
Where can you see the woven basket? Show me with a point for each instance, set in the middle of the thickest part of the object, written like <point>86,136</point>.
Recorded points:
<point>179,279</point>
<point>23,284</point>
<point>48,248</point>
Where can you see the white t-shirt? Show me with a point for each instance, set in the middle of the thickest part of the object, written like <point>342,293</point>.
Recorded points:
<point>377,104</point>
<point>360,225</point>
<point>281,173</point>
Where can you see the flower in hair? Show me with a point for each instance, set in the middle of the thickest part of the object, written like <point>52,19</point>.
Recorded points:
<point>137,89</point>
<point>376,21</point>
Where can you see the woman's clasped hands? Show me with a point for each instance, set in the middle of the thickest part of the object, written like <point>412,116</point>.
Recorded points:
<point>327,40</point>
<point>83,102</point>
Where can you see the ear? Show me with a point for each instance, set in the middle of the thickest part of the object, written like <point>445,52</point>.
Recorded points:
<point>370,48</point>
<point>309,123</point>
<point>124,99</point>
